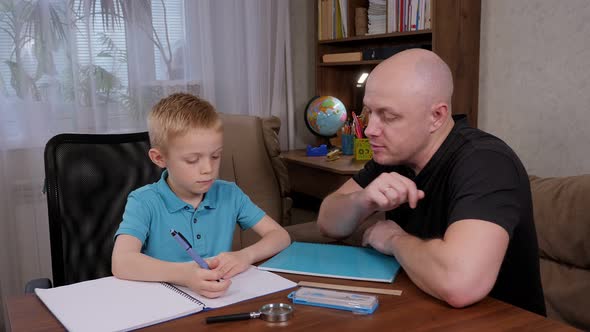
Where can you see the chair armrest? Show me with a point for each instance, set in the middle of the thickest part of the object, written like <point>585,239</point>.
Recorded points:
<point>37,283</point>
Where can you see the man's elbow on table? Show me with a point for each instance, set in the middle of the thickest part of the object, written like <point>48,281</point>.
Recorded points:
<point>328,228</point>
<point>461,293</point>
<point>329,231</point>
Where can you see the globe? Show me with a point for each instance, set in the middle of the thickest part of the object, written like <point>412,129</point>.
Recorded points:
<point>325,115</point>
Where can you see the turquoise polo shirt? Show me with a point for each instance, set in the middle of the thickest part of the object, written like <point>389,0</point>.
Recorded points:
<point>154,209</point>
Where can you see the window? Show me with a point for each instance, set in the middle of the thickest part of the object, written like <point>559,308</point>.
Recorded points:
<point>174,23</point>
<point>6,47</point>
<point>101,58</point>
<point>96,50</point>
<point>16,23</point>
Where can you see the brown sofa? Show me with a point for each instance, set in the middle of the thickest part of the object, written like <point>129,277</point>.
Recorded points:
<point>563,230</point>
<point>251,159</point>
<point>563,233</point>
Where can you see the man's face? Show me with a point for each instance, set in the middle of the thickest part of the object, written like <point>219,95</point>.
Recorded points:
<point>193,161</point>
<point>398,124</point>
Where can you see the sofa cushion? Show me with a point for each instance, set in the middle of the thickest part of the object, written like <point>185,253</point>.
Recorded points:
<point>562,220</point>
<point>567,293</point>
<point>563,228</point>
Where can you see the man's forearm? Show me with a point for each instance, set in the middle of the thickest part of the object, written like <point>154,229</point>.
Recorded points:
<point>420,261</point>
<point>340,214</point>
<point>437,270</point>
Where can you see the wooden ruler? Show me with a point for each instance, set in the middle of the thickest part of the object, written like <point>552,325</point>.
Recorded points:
<point>351,288</point>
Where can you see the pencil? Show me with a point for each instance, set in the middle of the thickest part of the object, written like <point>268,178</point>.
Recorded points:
<point>358,130</point>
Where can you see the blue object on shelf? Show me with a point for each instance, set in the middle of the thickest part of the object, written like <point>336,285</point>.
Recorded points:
<point>319,151</point>
<point>347,144</point>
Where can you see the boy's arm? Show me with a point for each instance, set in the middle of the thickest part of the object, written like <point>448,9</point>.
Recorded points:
<point>274,238</point>
<point>129,263</point>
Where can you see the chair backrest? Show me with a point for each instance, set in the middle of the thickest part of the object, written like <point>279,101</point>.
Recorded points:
<point>251,159</point>
<point>88,179</point>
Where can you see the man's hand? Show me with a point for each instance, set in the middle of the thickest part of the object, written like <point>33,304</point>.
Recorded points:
<point>206,282</point>
<point>232,263</point>
<point>381,236</point>
<point>390,190</point>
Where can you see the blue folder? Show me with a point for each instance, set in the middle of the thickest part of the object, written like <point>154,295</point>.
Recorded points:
<point>334,261</point>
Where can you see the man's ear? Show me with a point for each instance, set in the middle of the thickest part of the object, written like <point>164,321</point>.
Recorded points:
<point>439,114</point>
<point>157,157</point>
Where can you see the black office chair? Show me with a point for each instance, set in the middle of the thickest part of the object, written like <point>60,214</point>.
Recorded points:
<point>88,178</point>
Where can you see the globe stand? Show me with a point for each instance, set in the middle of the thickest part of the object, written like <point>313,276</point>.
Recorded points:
<point>325,140</point>
<point>338,114</point>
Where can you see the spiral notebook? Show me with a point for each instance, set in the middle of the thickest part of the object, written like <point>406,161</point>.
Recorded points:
<point>111,304</point>
<point>334,261</point>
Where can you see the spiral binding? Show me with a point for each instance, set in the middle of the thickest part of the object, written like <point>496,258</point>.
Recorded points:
<point>182,293</point>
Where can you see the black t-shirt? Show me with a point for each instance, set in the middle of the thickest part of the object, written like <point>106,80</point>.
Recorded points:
<point>474,175</point>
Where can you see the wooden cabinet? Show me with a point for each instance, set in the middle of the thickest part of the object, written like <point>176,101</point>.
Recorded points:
<point>454,36</point>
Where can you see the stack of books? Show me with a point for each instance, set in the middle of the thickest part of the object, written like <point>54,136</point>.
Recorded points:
<point>342,57</point>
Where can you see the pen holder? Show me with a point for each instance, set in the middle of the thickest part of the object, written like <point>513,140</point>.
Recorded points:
<point>347,144</point>
<point>362,149</point>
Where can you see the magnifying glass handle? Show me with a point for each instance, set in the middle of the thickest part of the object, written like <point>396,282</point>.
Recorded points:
<point>232,317</point>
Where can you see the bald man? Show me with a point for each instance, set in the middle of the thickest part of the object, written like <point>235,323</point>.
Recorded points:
<point>457,201</point>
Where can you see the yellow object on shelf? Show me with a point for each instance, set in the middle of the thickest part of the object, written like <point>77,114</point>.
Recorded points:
<point>362,149</point>
<point>333,155</point>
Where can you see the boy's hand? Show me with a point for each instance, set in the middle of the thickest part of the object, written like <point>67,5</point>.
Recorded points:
<point>206,282</point>
<point>231,263</point>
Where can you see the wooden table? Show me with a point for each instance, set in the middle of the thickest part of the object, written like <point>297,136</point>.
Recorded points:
<point>317,177</point>
<point>413,310</point>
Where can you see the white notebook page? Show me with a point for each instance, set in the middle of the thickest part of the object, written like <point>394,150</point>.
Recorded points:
<point>246,285</point>
<point>111,304</point>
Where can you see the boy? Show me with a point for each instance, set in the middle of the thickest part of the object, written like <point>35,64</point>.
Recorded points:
<point>186,138</point>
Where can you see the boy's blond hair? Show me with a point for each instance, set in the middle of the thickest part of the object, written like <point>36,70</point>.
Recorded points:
<point>174,115</point>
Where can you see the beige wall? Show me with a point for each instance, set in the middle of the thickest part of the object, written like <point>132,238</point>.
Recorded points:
<point>302,56</point>
<point>535,81</point>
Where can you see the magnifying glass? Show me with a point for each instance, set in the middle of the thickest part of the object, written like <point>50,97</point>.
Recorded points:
<point>272,312</point>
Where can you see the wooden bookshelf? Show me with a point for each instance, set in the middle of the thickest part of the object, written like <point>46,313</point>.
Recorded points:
<point>351,63</point>
<point>454,36</point>
<point>378,36</point>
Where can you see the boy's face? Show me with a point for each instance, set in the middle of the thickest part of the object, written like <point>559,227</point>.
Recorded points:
<point>192,161</point>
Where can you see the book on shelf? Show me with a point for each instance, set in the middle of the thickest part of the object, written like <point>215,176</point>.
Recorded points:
<point>379,16</point>
<point>382,53</point>
<point>332,19</point>
<point>326,19</point>
<point>342,57</point>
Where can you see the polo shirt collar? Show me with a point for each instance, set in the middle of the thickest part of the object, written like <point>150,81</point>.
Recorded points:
<point>174,203</point>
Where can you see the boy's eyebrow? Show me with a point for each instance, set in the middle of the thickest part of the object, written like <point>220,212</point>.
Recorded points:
<point>199,153</point>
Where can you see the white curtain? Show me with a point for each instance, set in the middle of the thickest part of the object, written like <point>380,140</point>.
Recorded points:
<point>97,66</point>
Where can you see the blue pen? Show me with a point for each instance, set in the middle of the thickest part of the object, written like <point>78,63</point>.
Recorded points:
<point>188,248</point>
